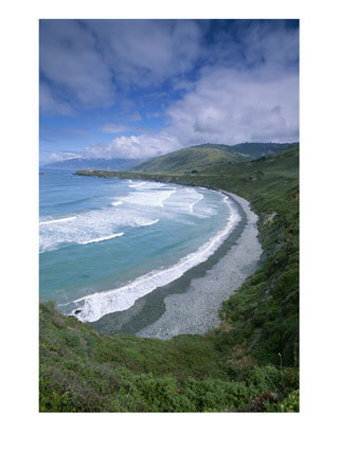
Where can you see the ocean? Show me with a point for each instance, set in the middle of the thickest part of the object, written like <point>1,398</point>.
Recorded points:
<point>104,243</point>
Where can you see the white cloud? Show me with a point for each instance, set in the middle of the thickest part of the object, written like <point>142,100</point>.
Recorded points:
<point>55,157</point>
<point>226,107</point>
<point>230,106</point>
<point>131,147</point>
<point>84,61</point>
<point>147,52</point>
<point>245,90</point>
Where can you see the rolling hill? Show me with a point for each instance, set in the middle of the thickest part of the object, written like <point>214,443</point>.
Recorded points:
<point>253,149</point>
<point>200,157</point>
<point>189,159</point>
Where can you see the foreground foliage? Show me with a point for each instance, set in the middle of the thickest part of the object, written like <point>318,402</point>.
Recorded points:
<point>250,363</point>
<point>82,371</point>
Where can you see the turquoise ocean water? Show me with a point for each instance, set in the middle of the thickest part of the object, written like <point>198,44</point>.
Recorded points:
<point>106,242</point>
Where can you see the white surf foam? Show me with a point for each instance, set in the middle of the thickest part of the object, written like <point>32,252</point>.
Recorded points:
<point>185,201</point>
<point>149,198</point>
<point>94,306</point>
<point>136,185</point>
<point>146,185</point>
<point>65,219</point>
<point>117,203</point>
<point>191,206</point>
<point>148,224</point>
<point>103,238</point>
<point>90,225</point>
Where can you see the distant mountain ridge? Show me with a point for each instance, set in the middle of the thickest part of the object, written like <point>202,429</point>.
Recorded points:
<point>195,158</point>
<point>95,164</point>
<point>201,157</point>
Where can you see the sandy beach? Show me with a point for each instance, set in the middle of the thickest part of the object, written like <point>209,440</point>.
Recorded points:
<point>190,304</point>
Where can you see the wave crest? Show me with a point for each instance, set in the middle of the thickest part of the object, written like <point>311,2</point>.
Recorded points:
<point>65,219</point>
<point>92,307</point>
<point>103,238</point>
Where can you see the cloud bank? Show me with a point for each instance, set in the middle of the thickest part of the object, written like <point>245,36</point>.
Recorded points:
<point>222,81</point>
<point>225,107</point>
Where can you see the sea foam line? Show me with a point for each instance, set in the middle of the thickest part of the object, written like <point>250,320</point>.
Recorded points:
<point>136,185</point>
<point>148,224</point>
<point>191,207</point>
<point>92,307</point>
<point>66,219</point>
<point>117,203</point>
<point>103,238</point>
<point>165,197</point>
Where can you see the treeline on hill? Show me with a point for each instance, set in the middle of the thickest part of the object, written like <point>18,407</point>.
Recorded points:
<point>250,363</point>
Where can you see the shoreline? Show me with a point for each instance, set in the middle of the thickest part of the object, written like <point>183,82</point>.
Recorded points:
<point>191,303</point>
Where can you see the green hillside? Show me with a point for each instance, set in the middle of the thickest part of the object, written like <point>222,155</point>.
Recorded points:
<point>284,164</point>
<point>189,159</point>
<point>250,363</point>
<point>200,157</point>
<point>258,149</point>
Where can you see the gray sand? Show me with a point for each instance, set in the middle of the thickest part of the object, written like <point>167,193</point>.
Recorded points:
<point>190,304</point>
<point>196,311</point>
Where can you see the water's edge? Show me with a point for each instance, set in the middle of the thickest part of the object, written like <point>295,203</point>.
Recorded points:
<point>149,315</point>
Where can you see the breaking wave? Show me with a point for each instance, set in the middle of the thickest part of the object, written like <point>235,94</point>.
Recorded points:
<point>103,238</point>
<point>149,198</point>
<point>148,224</point>
<point>92,307</point>
<point>65,219</point>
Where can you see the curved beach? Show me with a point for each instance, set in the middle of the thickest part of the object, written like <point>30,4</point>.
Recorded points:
<point>190,304</point>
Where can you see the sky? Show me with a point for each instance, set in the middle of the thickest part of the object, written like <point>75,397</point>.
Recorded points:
<point>142,88</point>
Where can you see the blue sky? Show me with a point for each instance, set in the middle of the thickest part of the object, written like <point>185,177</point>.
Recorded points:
<point>141,88</point>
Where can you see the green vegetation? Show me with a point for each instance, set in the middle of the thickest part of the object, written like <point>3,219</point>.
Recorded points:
<point>250,363</point>
<point>82,371</point>
<point>200,157</point>
<point>189,159</point>
<point>259,149</point>
<point>253,149</point>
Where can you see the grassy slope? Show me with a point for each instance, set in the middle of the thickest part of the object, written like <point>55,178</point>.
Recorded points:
<point>200,157</point>
<point>237,367</point>
<point>190,158</point>
<point>258,149</point>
